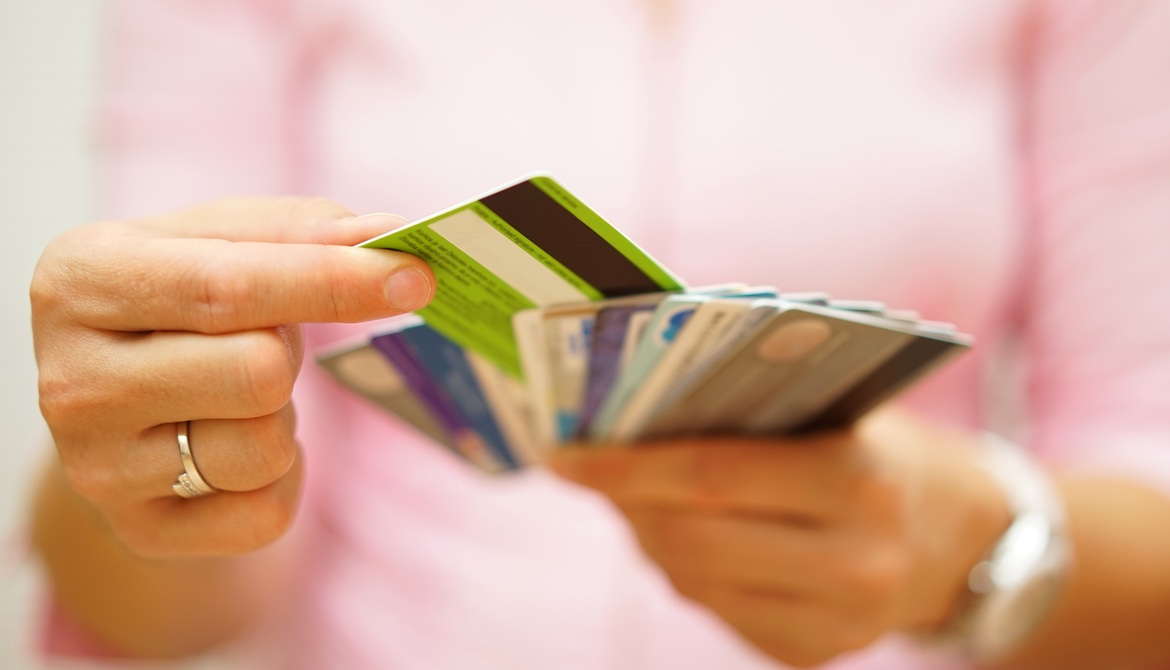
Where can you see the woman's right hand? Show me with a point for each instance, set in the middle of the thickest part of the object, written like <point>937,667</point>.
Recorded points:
<point>139,326</point>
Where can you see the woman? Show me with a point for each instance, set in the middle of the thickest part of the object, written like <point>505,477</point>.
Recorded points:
<point>999,165</point>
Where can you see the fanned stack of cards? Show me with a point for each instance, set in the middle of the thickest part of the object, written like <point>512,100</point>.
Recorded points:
<point>550,327</point>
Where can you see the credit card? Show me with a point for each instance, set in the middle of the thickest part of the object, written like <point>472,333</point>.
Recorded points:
<point>554,350</point>
<point>608,355</point>
<point>554,345</point>
<point>445,396</point>
<point>528,244</point>
<point>366,372</point>
<point>511,404</point>
<point>712,322</point>
<point>667,323</point>
<point>804,367</point>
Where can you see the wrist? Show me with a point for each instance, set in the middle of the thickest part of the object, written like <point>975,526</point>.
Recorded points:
<point>956,511</point>
<point>990,515</point>
<point>1011,587</point>
<point>962,511</point>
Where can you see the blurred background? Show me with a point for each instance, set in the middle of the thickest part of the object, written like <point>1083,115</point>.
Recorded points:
<point>48,69</point>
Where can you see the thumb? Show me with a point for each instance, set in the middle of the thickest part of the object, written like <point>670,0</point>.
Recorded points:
<point>289,220</point>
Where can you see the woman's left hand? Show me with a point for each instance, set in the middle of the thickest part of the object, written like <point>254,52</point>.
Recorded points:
<point>814,546</point>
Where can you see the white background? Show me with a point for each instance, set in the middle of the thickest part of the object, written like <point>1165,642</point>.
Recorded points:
<point>48,66</point>
<point>49,70</point>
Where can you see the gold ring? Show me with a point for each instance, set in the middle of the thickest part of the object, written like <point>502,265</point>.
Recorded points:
<point>190,484</point>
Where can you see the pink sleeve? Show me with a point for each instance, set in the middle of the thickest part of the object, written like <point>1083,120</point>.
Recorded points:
<point>197,102</point>
<point>1097,315</point>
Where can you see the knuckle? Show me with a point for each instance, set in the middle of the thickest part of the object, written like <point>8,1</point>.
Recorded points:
<point>216,296</point>
<point>45,292</point>
<point>61,396</point>
<point>271,518</point>
<point>879,574</point>
<point>49,288</point>
<point>266,372</point>
<point>855,635</point>
<point>90,480</point>
<point>867,492</point>
<point>310,210</point>
<point>66,262</point>
<point>881,489</point>
<point>847,486</point>
<point>292,339</point>
<point>138,535</point>
<point>276,451</point>
<point>334,302</point>
<point>141,542</point>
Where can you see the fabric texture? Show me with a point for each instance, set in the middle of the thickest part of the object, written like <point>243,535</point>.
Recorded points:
<point>1000,164</point>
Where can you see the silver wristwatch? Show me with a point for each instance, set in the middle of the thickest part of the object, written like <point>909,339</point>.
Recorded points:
<point>1013,589</point>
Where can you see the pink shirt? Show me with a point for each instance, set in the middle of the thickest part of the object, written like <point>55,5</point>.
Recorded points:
<point>1002,164</point>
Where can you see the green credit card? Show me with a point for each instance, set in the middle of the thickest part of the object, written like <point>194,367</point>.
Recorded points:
<point>527,244</point>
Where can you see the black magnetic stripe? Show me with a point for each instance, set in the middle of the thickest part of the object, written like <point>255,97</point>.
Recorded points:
<point>899,370</point>
<point>566,238</point>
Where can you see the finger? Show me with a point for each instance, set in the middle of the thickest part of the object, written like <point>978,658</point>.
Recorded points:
<point>735,550</point>
<point>798,631</point>
<point>160,378</point>
<point>816,478</point>
<point>231,455</point>
<point>245,454</point>
<point>831,565</point>
<point>126,283</point>
<point>218,524</point>
<point>285,220</point>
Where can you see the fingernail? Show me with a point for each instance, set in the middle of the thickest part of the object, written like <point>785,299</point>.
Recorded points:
<point>381,220</point>
<point>408,289</point>
<point>371,225</point>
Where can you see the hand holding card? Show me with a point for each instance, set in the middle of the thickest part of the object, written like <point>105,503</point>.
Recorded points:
<point>549,325</point>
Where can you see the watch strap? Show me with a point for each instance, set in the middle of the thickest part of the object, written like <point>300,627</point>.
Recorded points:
<point>1013,588</point>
